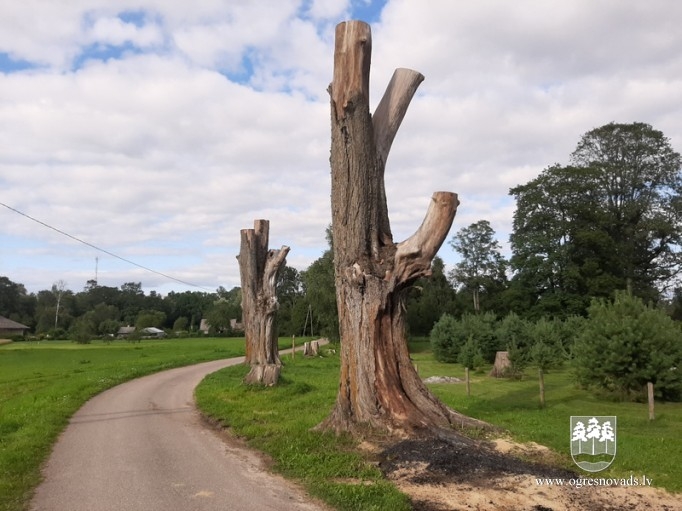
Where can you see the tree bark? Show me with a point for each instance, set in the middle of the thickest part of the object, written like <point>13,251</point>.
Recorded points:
<point>379,387</point>
<point>259,270</point>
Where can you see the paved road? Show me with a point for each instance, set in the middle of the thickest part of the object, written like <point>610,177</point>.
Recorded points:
<point>141,446</point>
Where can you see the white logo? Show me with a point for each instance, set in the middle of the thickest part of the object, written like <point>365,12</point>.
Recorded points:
<point>593,441</point>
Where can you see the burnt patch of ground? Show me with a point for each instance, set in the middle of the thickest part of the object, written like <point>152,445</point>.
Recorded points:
<point>462,460</point>
<point>462,474</point>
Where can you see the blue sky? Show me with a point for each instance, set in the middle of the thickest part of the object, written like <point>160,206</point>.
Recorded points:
<point>157,129</point>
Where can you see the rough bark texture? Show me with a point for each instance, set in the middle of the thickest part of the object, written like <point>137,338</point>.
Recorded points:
<point>259,269</point>
<point>379,387</point>
<point>502,364</point>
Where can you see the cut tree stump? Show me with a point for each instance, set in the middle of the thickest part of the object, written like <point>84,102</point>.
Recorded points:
<point>502,364</point>
<point>311,349</point>
<point>259,271</point>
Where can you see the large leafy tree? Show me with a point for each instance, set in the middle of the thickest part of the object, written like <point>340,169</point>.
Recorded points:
<point>482,268</point>
<point>320,295</point>
<point>291,313</point>
<point>612,218</point>
<point>14,302</point>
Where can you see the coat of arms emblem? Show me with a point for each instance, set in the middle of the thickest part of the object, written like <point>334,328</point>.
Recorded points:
<point>593,441</point>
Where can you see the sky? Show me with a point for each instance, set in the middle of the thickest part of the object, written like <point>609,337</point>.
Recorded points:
<point>138,137</point>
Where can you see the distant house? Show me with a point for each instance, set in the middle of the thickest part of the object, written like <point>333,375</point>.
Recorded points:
<point>204,326</point>
<point>236,325</point>
<point>9,328</point>
<point>125,331</point>
<point>153,332</point>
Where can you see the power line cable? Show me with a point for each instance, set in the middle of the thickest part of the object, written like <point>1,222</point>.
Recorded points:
<point>101,249</point>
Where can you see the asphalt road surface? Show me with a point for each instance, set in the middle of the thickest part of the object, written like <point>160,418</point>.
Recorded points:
<point>142,446</point>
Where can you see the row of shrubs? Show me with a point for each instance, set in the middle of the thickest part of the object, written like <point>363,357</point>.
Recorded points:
<point>620,346</point>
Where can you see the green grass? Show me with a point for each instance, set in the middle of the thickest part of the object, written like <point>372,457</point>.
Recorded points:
<point>278,421</point>
<point>651,448</point>
<point>43,384</point>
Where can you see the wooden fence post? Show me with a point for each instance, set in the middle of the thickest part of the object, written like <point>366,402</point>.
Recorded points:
<point>466,379</point>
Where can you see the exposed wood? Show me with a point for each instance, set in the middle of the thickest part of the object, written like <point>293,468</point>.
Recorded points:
<point>501,365</point>
<point>259,270</point>
<point>379,386</point>
<point>414,255</point>
<point>311,349</point>
<point>352,59</point>
<point>392,108</point>
<point>541,378</point>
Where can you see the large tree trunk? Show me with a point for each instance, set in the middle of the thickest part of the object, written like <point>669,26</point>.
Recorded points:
<point>379,387</point>
<point>259,269</point>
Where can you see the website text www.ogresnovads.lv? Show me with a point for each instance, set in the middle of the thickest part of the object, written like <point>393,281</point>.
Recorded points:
<point>581,482</point>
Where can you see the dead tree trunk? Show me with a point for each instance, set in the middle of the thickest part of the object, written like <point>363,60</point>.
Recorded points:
<point>259,269</point>
<point>379,387</point>
<point>311,349</point>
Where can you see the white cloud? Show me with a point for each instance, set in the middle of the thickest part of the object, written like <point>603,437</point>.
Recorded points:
<point>158,154</point>
<point>114,31</point>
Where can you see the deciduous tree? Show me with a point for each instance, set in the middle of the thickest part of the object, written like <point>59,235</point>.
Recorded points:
<point>612,218</point>
<point>320,296</point>
<point>482,268</point>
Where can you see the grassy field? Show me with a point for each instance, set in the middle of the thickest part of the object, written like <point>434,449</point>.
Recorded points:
<point>42,385</point>
<point>651,448</point>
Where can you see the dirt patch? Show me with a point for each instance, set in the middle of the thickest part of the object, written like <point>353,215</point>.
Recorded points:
<point>468,475</point>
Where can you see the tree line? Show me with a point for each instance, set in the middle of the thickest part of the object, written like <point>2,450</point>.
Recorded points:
<point>609,221</point>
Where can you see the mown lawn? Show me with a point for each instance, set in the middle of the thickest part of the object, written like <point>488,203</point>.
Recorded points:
<point>651,448</point>
<point>278,420</point>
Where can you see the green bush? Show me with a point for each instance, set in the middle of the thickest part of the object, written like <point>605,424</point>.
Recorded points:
<point>512,333</point>
<point>444,339</point>
<point>546,349</point>
<point>449,335</point>
<point>470,355</point>
<point>82,330</point>
<point>626,344</point>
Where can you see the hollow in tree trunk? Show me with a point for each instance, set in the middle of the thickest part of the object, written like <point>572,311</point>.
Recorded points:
<point>259,270</point>
<point>379,387</point>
